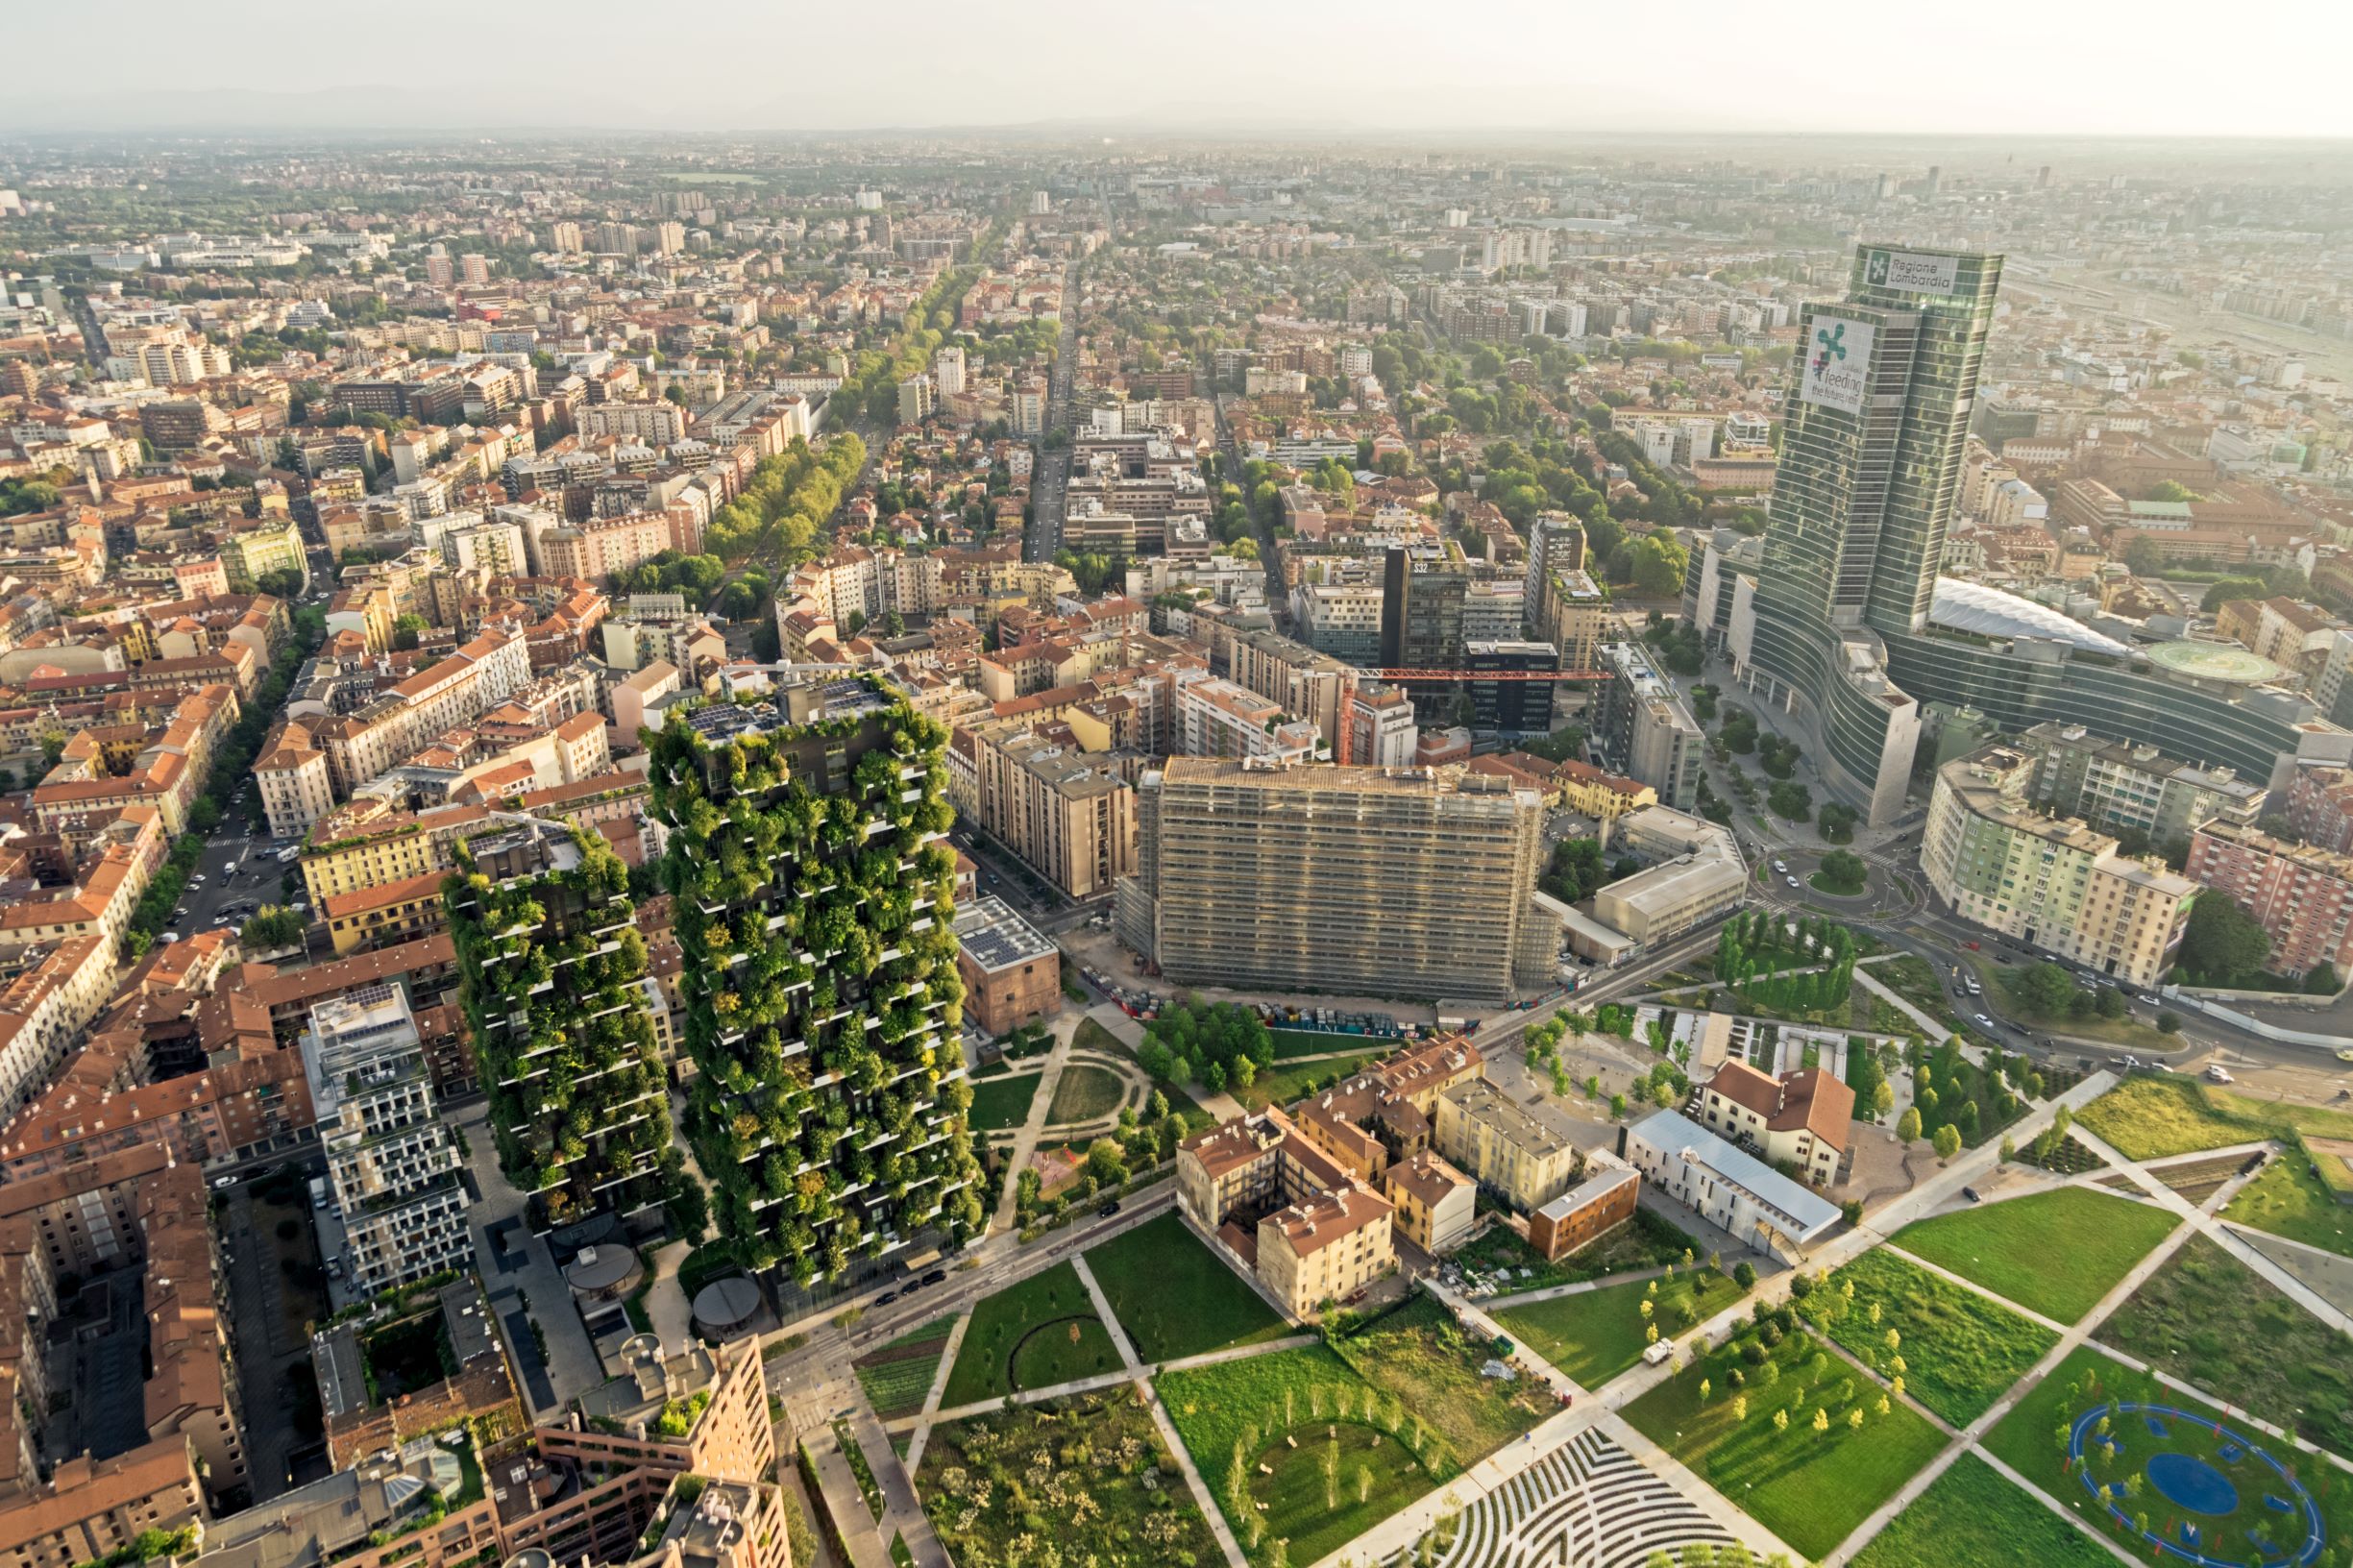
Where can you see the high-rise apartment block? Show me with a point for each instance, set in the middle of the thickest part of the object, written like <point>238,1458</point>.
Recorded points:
<point>814,895</point>
<point>2051,882</point>
<point>1644,729</point>
<point>2117,784</point>
<point>554,978</point>
<point>392,1164</point>
<point>1377,881</point>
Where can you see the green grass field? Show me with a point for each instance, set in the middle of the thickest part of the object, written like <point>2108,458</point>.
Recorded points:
<point>1973,1517</point>
<point>1001,1104</point>
<point>2055,1253</point>
<point>2150,1116</point>
<point>1418,1357</point>
<point>1175,1297</point>
<point>1283,1083</point>
<point>1960,1350</point>
<point>1596,1335</point>
<point>1020,1338</point>
<point>2027,1441</point>
<point>2288,1200</point>
<point>1811,1488</point>
<point>1249,1406</point>
<point>2207,1319</point>
<point>1085,1093</point>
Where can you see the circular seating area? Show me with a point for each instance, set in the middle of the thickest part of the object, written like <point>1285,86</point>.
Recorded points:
<point>1586,1505</point>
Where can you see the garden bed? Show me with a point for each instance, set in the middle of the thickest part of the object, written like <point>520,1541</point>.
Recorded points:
<point>1086,1474</point>
<point>2208,1319</point>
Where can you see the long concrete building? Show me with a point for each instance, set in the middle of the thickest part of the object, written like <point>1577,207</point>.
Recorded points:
<point>1411,882</point>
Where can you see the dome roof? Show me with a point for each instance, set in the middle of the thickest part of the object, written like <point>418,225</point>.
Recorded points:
<point>1988,612</point>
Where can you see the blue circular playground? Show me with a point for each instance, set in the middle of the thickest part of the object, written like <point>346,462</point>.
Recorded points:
<point>2209,1495</point>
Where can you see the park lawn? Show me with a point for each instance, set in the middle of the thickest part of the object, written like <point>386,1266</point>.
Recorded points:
<point>1960,1350</point>
<point>1016,1321</point>
<point>1001,1103</point>
<point>1911,978</point>
<point>1418,1355</point>
<point>2055,1253</point>
<point>2208,1319</point>
<point>2152,1115</point>
<point>1811,1488</point>
<point>1285,1082</point>
<point>2026,1440</point>
<point>1971,1516</point>
<point>1085,1093</point>
<point>1092,1035</point>
<point>2289,1200</point>
<point>1596,1335</point>
<point>1176,1298</point>
<point>1095,1476</point>
<point>1251,1405</point>
<point>1646,1242</point>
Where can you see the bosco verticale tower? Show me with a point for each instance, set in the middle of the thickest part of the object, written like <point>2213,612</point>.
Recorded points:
<point>812,886</point>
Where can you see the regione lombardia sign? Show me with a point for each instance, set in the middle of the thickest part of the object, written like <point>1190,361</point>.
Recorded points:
<point>1911,270</point>
<point>1837,364</point>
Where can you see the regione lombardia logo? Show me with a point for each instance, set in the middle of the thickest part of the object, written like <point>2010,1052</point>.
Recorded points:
<point>1874,269</point>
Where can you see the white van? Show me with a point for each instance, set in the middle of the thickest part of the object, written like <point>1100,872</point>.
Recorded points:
<point>1658,1351</point>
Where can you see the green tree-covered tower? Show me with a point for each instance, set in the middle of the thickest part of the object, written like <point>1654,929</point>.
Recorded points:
<point>812,883</point>
<point>553,973</point>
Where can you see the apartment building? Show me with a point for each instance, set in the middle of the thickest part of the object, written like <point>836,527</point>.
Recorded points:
<point>1433,1204</point>
<point>2319,806</point>
<point>2117,784</point>
<point>2301,894</point>
<point>1645,731</point>
<point>392,1164</point>
<point>1525,1152</point>
<point>1068,815</point>
<point>1598,792</point>
<point>297,784</point>
<point>370,842</point>
<point>2051,882</point>
<point>1801,1120</point>
<point>393,726</point>
<point>1218,719</point>
<point>1305,1228</point>
<point>1296,676</point>
<point>1364,880</point>
<point>1380,730</point>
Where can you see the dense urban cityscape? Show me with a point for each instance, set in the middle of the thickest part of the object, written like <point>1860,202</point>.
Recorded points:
<point>1048,850</point>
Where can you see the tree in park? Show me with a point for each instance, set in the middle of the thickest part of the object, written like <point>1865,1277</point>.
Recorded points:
<point>1907,1127</point>
<point>2222,941</point>
<point>1948,1141</point>
<point>1781,1420</point>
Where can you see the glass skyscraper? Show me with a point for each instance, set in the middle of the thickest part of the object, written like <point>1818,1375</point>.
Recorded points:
<point>1876,416</point>
<point>1837,628</point>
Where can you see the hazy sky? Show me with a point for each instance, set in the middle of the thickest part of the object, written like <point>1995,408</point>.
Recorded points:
<point>2252,67</point>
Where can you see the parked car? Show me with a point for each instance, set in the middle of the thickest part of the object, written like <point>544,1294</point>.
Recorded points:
<point>1972,1194</point>
<point>885,1298</point>
<point>2217,1073</point>
<point>1108,1209</point>
<point>934,1277</point>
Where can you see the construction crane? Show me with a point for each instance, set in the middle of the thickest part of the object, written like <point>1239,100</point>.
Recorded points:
<point>1491,675</point>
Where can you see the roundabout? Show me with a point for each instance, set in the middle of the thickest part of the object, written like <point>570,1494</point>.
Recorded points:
<point>2195,1490</point>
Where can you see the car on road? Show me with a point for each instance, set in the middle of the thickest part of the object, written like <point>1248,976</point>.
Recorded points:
<point>1972,946</point>
<point>1108,1209</point>
<point>2217,1073</point>
<point>221,1184</point>
<point>1781,867</point>
<point>1984,1023</point>
<point>936,1276</point>
<point>885,1298</point>
<point>2344,1056</point>
<point>1972,1194</point>
<point>1791,881</point>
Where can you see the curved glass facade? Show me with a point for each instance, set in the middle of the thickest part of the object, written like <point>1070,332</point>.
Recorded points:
<point>2110,699</point>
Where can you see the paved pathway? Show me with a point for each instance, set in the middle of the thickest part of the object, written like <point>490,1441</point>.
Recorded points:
<point>1025,1140</point>
<point>1554,1292</point>
<point>1932,1027</point>
<point>903,1515</point>
<point>931,1398</point>
<point>838,1495</point>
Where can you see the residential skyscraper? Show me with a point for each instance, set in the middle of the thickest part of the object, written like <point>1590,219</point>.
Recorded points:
<point>1371,881</point>
<point>392,1165</point>
<point>554,973</point>
<point>814,906</point>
